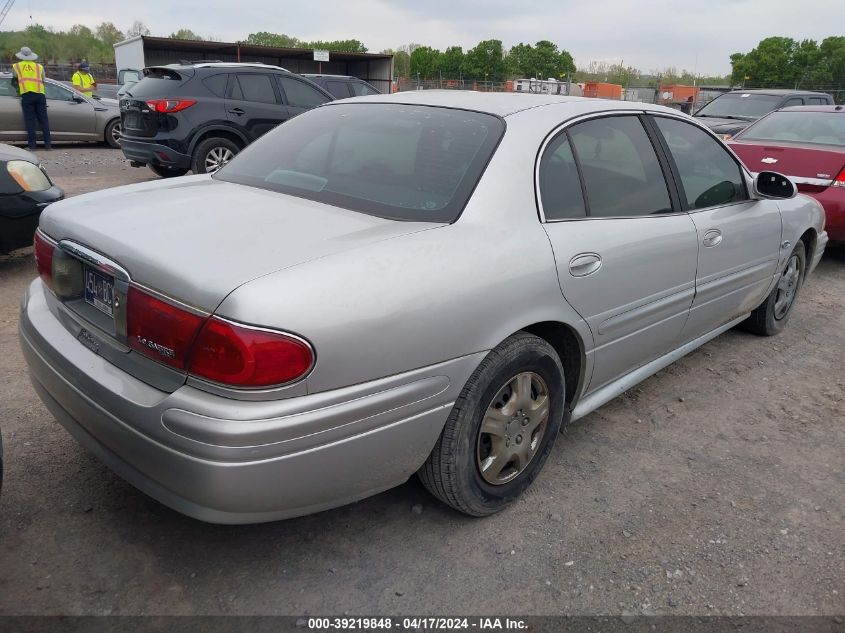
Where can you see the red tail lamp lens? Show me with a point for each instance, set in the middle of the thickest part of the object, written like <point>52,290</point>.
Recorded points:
<point>163,106</point>
<point>160,330</point>
<point>44,257</point>
<point>246,357</point>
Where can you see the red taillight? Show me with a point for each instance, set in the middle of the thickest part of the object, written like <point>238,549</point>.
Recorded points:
<point>167,106</point>
<point>44,257</point>
<point>839,181</point>
<point>159,329</point>
<point>242,356</point>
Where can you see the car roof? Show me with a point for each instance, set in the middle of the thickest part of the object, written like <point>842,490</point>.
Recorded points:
<point>814,108</point>
<point>331,76</point>
<point>776,92</point>
<point>221,65</point>
<point>497,103</point>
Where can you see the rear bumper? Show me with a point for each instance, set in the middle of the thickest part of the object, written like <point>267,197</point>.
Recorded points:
<point>151,153</point>
<point>832,200</point>
<point>226,461</point>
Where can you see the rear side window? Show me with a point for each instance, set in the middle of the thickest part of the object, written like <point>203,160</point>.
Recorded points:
<point>401,162</point>
<point>817,101</point>
<point>339,89</point>
<point>621,172</point>
<point>709,175</point>
<point>560,186</point>
<point>361,89</point>
<point>216,84</point>
<point>300,94</point>
<point>256,88</point>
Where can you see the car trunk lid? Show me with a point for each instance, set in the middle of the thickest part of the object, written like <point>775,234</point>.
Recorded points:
<point>811,169</point>
<point>137,117</point>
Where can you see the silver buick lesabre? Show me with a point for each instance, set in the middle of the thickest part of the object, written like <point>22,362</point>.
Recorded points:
<point>428,282</point>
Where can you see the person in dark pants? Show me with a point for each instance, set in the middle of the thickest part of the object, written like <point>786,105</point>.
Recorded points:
<point>29,77</point>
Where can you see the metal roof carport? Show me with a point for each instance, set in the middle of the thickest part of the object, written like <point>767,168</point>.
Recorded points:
<point>374,68</point>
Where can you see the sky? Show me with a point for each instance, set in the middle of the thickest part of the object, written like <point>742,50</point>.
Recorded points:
<point>696,35</point>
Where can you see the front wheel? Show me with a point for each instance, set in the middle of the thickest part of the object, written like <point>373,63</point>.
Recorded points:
<point>501,429</point>
<point>167,172</point>
<point>771,316</point>
<point>212,154</point>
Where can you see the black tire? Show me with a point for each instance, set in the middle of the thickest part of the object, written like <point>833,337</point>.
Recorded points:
<point>112,134</point>
<point>453,471</point>
<point>201,162</point>
<point>168,172</point>
<point>769,318</point>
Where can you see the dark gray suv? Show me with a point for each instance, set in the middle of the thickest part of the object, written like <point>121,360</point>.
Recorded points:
<point>732,112</point>
<point>343,86</point>
<point>198,116</point>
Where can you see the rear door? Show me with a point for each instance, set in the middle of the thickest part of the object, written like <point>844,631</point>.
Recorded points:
<point>69,119</point>
<point>738,238</point>
<point>300,95</point>
<point>254,104</point>
<point>625,253</point>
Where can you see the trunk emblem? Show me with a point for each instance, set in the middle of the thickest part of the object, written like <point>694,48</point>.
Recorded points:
<point>768,160</point>
<point>157,347</point>
<point>822,175</point>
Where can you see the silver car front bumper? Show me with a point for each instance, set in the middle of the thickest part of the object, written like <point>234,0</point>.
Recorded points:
<point>227,461</point>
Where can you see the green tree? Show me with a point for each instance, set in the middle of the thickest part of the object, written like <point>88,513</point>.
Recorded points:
<point>451,62</point>
<point>185,34</point>
<point>425,62</point>
<point>520,61</point>
<point>340,46</point>
<point>279,40</point>
<point>401,62</point>
<point>109,34</point>
<point>485,61</point>
<point>832,54</point>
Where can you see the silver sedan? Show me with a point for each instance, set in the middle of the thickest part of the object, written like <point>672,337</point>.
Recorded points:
<point>72,115</point>
<point>425,283</point>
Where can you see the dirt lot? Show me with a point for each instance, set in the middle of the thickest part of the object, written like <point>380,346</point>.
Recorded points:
<point>715,487</point>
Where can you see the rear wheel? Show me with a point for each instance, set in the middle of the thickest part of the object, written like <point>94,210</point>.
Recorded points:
<point>168,172</point>
<point>770,318</point>
<point>112,134</point>
<point>501,429</point>
<point>212,153</point>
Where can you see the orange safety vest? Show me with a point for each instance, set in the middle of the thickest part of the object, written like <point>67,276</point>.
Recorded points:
<point>30,76</point>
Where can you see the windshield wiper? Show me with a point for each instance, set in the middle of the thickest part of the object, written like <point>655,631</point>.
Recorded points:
<point>738,118</point>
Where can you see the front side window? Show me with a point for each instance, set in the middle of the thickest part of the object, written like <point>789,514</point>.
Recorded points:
<point>56,93</point>
<point>301,95</point>
<point>709,175</point>
<point>560,186</point>
<point>621,172</point>
<point>401,162</point>
<point>794,101</point>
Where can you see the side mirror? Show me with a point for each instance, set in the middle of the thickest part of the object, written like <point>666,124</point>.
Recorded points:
<point>78,99</point>
<point>770,184</point>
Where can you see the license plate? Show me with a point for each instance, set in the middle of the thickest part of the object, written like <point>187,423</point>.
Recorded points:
<point>99,290</point>
<point>132,120</point>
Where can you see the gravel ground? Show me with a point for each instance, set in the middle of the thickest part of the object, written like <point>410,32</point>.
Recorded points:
<point>714,487</point>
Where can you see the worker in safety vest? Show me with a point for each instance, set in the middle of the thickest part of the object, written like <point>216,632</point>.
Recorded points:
<point>29,77</point>
<point>83,80</point>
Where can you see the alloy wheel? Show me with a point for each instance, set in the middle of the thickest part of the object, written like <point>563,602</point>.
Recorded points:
<point>787,287</point>
<point>512,429</point>
<point>115,133</point>
<point>216,158</point>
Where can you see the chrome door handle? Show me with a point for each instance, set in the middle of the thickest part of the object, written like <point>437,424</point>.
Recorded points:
<point>713,237</point>
<point>584,264</point>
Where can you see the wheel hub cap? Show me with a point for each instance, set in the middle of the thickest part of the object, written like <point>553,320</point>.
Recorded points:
<point>787,287</point>
<point>513,428</point>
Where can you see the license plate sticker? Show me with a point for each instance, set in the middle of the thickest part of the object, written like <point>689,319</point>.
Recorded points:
<point>99,291</point>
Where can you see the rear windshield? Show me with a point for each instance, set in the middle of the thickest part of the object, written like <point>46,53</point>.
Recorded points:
<point>742,105</point>
<point>157,82</point>
<point>402,162</point>
<point>820,128</point>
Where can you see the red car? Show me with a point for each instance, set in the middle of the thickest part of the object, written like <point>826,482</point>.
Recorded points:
<point>808,145</point>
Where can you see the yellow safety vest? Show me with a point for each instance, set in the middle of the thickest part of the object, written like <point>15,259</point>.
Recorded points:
<point>30,76</point>
<point>84,82</point>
